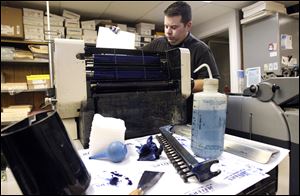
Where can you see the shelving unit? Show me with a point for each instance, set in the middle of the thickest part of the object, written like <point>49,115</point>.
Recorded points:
<point>14,92</point>
<point>26,61</point>
<point>15,71</point>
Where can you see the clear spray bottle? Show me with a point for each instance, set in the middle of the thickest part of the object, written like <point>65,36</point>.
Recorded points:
<point>209,119</point>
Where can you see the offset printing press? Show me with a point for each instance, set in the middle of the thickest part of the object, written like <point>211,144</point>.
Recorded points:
<point>269,112</point>
<point>145,89</point>
<point>145,100</point>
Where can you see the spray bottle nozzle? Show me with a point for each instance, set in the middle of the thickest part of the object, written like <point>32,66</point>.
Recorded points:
<point>207,67</point>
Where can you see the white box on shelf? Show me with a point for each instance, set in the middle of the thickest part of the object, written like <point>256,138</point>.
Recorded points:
<point>145,25</point>
<point>89,24</point>
<point>59,30</point>
<point>30,29</point>
<point>35,37</point>
<point>137,37</point>
<point>123,27</point>
<point>73,23</point>
<point>33,21</point>
<point>144,31</point>
<point>89,32</point>
<point>33,13</point>
<point>55,16</point>
<point>73,36</point>
<point>54,21</point>
<point>89,39</point>
<point>131,29</point>
<point>263,6</point>
<point>73,31</point>
<point>70,15</point>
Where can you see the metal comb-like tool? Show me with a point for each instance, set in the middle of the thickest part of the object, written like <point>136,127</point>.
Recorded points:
<point>185,164</point>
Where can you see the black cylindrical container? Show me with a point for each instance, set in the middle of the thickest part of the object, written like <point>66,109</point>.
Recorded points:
<point>42,157</point>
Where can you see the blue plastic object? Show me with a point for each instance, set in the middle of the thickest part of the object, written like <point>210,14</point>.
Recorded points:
<point>115,152</point>
<point>149,151</point>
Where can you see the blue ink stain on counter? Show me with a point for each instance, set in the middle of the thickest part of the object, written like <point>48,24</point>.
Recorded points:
<point>114,181</point>
<point>129,181</point>
<point>116,174</point>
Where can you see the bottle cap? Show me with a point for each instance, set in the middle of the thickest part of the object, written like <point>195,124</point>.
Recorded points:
<point>211,81</point>
<point>210,84</point>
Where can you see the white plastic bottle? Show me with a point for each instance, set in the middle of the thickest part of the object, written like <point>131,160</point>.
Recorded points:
<point>209,119</point>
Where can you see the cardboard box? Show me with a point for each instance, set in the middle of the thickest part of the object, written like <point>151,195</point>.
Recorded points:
<point>74,37</point>
<point>159,34</point>
<point>54,21</point>
<point>137,37</point>
<point>144,31</point>
<point>89,39</point>
<point>55,16</point>
<point>131,29</point>
<point>263,5</point>
<point>73,23</point>
<point>91,33</point>
<point>14,86</point>
<point>39,85</point>
<point>33,13</point>
<point>33,21</point>
<point>30,29</point>
<point>35,37</point>
<point>7,53</point>
<point>123,27</point>
<point>70,15</point>
<point>17,109</point>
<point>38,81</point>
<point>58,32</point>
<point>73,31</point>
<point>89,24</point>
<point>146,39</point>
<point>145,25</point>
<point>11,22</point>
<point>52,37</point>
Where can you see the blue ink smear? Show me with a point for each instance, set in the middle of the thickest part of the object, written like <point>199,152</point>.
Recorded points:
<point>114,181</point>
<point>129,181</point>
<point>115,178</point>
<point>116,174</point>
<point>149,151</point>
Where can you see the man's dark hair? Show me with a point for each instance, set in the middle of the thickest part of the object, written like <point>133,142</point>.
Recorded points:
<point>180,8</point>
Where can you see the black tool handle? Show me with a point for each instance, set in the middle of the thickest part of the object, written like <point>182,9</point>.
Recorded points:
<point>183,161</point>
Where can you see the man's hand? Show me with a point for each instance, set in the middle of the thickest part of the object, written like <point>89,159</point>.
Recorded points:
<point>198,86</point>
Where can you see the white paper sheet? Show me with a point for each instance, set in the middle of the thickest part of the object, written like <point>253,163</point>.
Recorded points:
<point>237,173</point>
<point>108,39</point>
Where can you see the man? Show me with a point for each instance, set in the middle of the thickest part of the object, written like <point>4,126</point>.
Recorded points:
<point>177,24</point>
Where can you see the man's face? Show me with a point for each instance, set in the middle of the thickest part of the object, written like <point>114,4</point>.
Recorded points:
<point>175,30</point>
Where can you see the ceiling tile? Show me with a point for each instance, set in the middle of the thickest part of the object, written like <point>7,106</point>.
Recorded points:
<point>129,10</point>
<point>135,11</point>
<point>91,9</point>
<point>156,15</point>
<point>233,4</point>
<point>208,12</point>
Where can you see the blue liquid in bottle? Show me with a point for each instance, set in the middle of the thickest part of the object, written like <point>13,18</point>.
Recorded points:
<point>208,131</point>
<point>209,119</point>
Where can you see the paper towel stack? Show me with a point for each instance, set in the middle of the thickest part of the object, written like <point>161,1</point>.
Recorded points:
<point>105,130</point>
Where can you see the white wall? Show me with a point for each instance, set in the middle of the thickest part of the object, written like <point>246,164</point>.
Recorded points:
<point>230,22</point>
